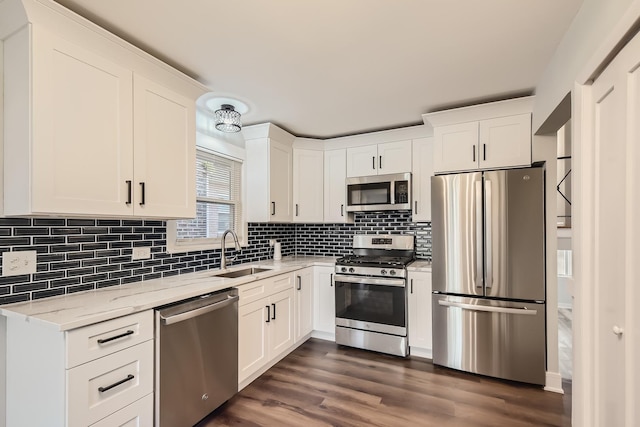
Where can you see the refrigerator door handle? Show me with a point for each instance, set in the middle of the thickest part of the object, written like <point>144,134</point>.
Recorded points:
<point>487,224</point>
<point>523,310</point>
<point>478,261</point>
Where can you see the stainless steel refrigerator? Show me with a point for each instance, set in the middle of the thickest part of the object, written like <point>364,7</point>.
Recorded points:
<point>488,250</point>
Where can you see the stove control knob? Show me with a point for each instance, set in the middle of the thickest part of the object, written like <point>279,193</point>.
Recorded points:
<point>383,272</point>
<point>351,270</point>
<point>344,269</point>
<point>392,272</point>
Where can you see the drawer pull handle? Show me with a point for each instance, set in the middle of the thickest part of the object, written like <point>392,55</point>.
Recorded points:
<point>115,337</point>
<point>109,387</point>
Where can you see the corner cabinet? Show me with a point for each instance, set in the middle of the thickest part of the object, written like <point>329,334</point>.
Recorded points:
<point>86,135</point>
<point>380,159</point>
<point>308,195</point>
<point>486,136</point>
<point>420,322</point>
<point>335,173</point>
<point>269,180</point>
<point>422,171</point>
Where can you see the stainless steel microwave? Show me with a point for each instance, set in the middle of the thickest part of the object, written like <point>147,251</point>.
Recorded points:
<point>379,193</point>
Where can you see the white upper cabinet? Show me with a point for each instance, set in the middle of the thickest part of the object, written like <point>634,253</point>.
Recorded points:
<point>422,172</point>
<point>164,152</point>
<point>308,195</point>
<point>93,127</point>
<point>269,165</point>
<point>335,173</point>
<point>380,159</point>
<point>486,136</point>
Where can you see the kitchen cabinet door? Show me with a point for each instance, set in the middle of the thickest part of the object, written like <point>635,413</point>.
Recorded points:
<point>420,313</point>
<point>455,147</point>
<point>335,174</point>
<point>308,171</point>
<point>164,182</point>
<point>304,303</point>
<point>280,182</point>
<point>422,172</point>
<point>362,161</point>
<point>282,323</point>
<point>253,351</point>
<point>394,157</point>
<point>81,141</point>
<point>324,303</point>
<point>505,142</point>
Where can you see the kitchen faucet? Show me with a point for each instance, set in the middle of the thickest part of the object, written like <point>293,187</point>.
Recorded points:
<point>223,258</point>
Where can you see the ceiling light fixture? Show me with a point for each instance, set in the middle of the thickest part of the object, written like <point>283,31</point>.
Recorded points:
<point>227,119</point>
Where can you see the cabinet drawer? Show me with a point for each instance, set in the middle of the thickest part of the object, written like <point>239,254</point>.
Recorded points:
<point>124,377</point>
<point>94,341</point>
<point>253,291</point>
<point>138,414</point>
<point>282,283</point>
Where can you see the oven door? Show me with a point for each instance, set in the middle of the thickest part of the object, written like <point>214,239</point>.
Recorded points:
<point>371,304</point>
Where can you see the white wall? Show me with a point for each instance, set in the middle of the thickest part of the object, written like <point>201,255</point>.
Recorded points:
<point>588,32</point>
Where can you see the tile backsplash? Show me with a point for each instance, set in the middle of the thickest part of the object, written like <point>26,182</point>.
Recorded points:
<point>82,254</point>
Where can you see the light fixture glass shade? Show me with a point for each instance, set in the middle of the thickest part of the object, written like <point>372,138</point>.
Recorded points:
<point>227,119</point>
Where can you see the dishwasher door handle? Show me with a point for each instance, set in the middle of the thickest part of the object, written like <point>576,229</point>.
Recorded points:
<point>197,312</point>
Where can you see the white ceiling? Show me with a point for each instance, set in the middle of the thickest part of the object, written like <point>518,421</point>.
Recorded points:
<point>324,68</point>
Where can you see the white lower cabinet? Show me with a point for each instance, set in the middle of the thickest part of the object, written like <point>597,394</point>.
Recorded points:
<point>324,303</point>
<point>265,326</point>
<point>304,303</point>
<point>420,313</point>
<point>91,375</point>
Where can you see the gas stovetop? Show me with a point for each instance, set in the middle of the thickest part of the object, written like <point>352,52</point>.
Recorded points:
<point>374,261</point>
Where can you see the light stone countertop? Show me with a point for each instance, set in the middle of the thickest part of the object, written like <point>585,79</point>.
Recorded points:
<point>72,311</point>
<point>420,265</point>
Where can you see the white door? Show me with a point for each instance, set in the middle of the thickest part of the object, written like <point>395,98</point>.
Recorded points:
<point>335,174</point>
<point>308,195</point>
<point>164,152</point>
<point>394,157</point>
<point>455,147</point>
<point>281,325</point>
<point>505,141</point>
<point>422,172</point>
<point>324,310</point>
<point>304,303</point>
<point>252,338</point>
<point>362,161</point>
<point>607,246</point>
<point>420,310</point>
<point>83,142</point>
<point>280,176</point>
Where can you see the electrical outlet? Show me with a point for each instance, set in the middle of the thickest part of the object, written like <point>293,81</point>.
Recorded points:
<point>16,263</point>
<point>143,252</point>
<point>272,242</point>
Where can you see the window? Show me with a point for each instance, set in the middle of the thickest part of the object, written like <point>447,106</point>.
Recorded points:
<point>218,205</point>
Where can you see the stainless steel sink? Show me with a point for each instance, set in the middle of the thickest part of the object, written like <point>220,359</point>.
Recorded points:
<point>244,272</point>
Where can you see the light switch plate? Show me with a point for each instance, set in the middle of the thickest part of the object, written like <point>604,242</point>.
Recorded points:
<point>16,263</point>
<point>143,252</point>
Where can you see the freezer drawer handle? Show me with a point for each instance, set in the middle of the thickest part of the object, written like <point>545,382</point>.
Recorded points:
<point>197,312</point>
<point>523,310</point>
<point>109,387</point>
<point>115,337</point>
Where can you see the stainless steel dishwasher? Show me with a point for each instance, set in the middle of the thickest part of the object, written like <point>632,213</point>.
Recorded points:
<point>196,357</point>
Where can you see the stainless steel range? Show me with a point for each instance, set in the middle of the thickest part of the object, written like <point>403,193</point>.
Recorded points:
<point>371,294</point>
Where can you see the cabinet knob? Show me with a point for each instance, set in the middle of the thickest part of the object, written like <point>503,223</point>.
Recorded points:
<point>618,330</point>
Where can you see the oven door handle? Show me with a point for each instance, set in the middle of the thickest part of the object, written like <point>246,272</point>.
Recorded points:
<point>400,283</point>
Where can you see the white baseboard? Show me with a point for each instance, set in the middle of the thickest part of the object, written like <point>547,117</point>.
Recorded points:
<point>327,336</point>
<point>425,353</point>
<point>553,382</point>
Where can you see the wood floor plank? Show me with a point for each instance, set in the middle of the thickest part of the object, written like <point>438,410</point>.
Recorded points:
<point>323,384</point>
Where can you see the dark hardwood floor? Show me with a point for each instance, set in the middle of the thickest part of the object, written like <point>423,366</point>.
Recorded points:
<point>323,384</point>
